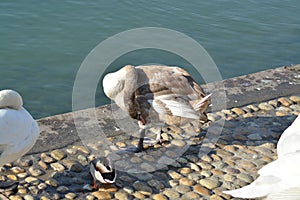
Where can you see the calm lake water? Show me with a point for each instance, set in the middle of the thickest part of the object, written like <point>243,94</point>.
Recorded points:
<point>43,43</point>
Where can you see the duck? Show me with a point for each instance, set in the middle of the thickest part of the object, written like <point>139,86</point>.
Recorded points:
<point>19,131</point>
<point>279,179</point>
<point>102,170</point>
<point>148,93</point>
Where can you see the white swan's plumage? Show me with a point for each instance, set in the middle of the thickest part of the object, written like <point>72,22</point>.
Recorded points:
<point>18,130</point>
<point>290,139</point>
<point>279,179</point>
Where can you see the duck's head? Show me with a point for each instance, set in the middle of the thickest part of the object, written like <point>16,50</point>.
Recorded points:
<point>113,83</point>
<point>10,99</point>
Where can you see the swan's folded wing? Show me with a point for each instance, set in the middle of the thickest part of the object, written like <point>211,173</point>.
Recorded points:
<point>174,105</point>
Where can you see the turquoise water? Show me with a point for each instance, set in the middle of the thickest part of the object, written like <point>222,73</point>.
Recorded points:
<point>44,42</point>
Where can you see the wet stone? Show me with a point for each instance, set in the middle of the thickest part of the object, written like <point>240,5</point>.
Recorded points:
<point>33,190</point>
<point>121,144</point>
<point>58,154</point>
<point>73,166</point>
<point>171,154</point>
<point>228,177</point>
<point>173,183</point>
<point>148,158</point>
<point>121,195</point>
<point>44,198</point>
<point>190,196</point>
<point>245,177</point>
<point>102,195</point>
<point>215,197</point>
<point>218,164</point>
<point>12,177</point>
<point>295,99</point>
<point>15,197</point>
<point>46,158</point>
<point>185,171</point>
<point>274,102</point>
<point>282,113</point>
<point>43,165</point>
<point>201,190</point>
<point>194,176</point>
<point>156,184</point>
<point>28,197</point>
<point>284,109</point>
<point>62,189</point>
<point>142,188</point>
<point>206,158</point>
<point>22,191</point>
<point>32,180</point>
<point>178,143</point>
<point>159,197</point>
<point>17,170</point>
<point>210,183</point>
<point>25,162</point>
<point>82,159</point>
<point>186,181</point>
<point>212,117</point>
<point>82,149</point>
<point>52,182</point>
<point>254,136</point>
<point>22,175</point>
<point>194,167</point>
<point>285,101</point>
<point>128,189</point>
<point>71,196</point>
<point>204,165</point>
<point>42,186</point>
<point>295,107</point>
<point>138,195</point>
<point>247,164</point>
<point>238,136</point>
<point>206,173</point>
<point>217,172</point>
<point>107,188</point>
<point>238,111</point>
<point>136,160</point>
<point>182,189</point>
<point>254,108</point>
<point>57,167</point>
<point>71,151</point>
<point>147,167</point>
<point>171,194</point>
<point>35,171</point>
<point>174,175</point>
<point>265,106</point>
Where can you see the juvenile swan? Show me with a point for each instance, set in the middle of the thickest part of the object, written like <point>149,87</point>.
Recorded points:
<point>168,93</point>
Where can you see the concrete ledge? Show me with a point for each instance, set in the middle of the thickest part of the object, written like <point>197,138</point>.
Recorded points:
<point>59,131</point>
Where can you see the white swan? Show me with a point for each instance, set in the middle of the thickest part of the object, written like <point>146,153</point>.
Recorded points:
<point>279,179</point>
<point>18,130</point>
<point>169,94</point>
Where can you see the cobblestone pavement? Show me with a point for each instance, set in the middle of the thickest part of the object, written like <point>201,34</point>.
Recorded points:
<point>185,166</point>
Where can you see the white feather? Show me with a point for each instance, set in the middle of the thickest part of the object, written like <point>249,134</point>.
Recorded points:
<point>279,179</point>
<point>290,139</point>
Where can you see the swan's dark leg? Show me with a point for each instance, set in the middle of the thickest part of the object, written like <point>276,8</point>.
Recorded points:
<point>157,140</point>
<point>139,147</point>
